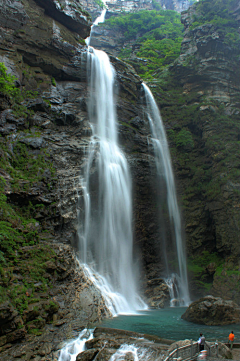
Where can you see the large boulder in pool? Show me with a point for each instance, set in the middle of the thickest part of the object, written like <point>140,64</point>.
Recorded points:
<point>212,311</point>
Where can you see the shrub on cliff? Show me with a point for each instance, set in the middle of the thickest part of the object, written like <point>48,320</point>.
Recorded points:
<point>158,33</point>
<point>184,139</point>
<point>14,94</point>
<point>218,13</point>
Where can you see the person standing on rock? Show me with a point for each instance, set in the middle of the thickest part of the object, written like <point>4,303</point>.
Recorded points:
<point>201,342</point>
<point>231,339</point>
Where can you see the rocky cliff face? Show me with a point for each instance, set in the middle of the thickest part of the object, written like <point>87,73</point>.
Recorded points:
<point>118,7</point>
<point>208,72</point>
<point>198,98</point>
<point>208,59</point>
<point>43,154</point>
<point>43,46</point>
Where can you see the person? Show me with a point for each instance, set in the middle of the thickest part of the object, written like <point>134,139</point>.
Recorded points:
<point>201,342</point>
<point>231,339</point>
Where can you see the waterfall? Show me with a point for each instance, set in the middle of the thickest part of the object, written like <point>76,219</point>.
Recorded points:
<point>105,240</point>
<point>164,169</point>
<point>74,347</point>
<point>99,19</point>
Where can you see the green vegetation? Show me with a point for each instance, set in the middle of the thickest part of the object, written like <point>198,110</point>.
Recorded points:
<point>219,14</point>
<point>30,267</point>
<point>13,94</point>
<point>184,139</point>
<point>17,226</point>
<point>53,82</point>
<point>197,267</point>
<point>23,255</point>
<point>24,168</point>
<point>100,4</point>
<point>157,37</point>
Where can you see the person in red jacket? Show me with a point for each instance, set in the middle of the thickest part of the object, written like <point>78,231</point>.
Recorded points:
<point>231,339</point>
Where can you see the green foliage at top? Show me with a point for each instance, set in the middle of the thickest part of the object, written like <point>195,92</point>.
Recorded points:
<point>141,23</point>
<point>100,3</point>
<point>158,35</point>
<point>14,94</point>
<point>219,14</point>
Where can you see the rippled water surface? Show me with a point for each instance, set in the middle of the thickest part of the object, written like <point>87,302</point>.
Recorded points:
<point>167,323</point>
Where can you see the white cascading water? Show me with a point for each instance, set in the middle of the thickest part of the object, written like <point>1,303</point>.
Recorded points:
<point>115,302</point>
<point>164,168</point>
<point>173,282</point>
<point>74,347</point>
<point>99,19</point>
<point>137,353</point>
<point>106,238</point>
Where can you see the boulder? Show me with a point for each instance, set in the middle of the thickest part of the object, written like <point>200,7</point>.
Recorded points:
<point>212,311</point>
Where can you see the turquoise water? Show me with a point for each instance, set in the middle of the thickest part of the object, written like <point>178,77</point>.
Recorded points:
<point>167,323</point>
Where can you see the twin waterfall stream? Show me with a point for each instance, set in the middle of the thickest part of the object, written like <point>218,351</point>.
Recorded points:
<point>105,225</point>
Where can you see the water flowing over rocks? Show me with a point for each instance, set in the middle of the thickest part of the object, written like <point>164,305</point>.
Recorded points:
<point>75,302</point>
<point>36,50</point>
<point>107,342</point>
<point>208,72</point>
<point>43,47</point>
<point>157,293</point>
<point>211,311</point>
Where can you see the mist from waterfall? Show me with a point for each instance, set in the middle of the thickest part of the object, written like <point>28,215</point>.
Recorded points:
<point>164,169</point>
<point>106,239</point>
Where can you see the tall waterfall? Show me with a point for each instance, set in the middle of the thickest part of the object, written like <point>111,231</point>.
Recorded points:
<point>106,238</point>
<point>99,19</point>
<point>164,169</point>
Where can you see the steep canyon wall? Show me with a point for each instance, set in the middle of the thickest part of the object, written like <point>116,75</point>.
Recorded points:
<point>198,98</point>
<point>42,44</point>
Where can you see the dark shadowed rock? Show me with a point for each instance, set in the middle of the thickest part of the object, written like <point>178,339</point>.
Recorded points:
<point>157,293</point>
<point>68,13</point>
<point>88,355</point>
<point>211,311</point>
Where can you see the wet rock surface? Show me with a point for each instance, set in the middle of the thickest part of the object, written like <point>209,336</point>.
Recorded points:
<point>211,311</point>
<point>157,293</point>
<point>45,56</point>
<point>69,306</point>
<point>107,342</point>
